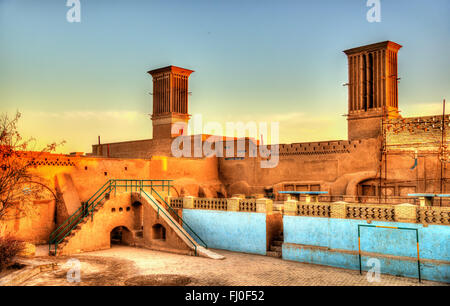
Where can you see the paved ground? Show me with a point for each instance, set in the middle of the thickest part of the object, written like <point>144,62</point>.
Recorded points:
<point>120,263</point>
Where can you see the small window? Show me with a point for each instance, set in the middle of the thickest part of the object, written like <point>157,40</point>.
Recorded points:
<point>126,168</point>
<point>85,167</point>
<point>113,210</point>
<point>128,208</point>
<point>159,232</point>
<point>106,173</point>
<point>120,209</point>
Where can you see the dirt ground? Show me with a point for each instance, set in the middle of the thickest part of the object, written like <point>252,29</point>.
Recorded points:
<point>122,265</point>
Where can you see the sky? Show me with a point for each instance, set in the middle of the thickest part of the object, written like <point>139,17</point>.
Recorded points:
<point>254,60</point>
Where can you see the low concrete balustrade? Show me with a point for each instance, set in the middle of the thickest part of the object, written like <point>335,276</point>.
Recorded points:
<point>261,205</point>
<point>175,202</point>
<point>392,213</point>
<point>310,209</point>
<point>433,215</point>
<point>405,212</point>
<point>247,205</point>
<point>210,203</point>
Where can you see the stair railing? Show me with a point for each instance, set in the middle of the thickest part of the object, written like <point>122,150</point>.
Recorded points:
<point>87,208</point>
<point>58,235</point>
<point>178,216</point>
<point>171,220</point>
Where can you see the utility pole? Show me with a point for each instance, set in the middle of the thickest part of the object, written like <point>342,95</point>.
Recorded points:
<point>442,151</point>
<point>385,161</point>
<point>382,148</point>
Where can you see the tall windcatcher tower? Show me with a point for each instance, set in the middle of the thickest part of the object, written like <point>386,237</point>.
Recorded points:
<point>170,100</point>
<point>372,88</point>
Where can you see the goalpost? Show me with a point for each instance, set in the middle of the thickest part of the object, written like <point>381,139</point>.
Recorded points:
<point>391,227</point>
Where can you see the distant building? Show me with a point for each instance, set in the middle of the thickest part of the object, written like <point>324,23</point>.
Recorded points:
<point>385,154</point>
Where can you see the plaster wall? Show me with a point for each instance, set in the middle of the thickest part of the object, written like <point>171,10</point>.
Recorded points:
<point>233,231</point>
<point>334,242</point>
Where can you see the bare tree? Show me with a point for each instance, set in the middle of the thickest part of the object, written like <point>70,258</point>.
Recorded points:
<point>17,183</point>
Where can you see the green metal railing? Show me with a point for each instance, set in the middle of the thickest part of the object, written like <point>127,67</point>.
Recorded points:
<point>62,231</point>
<point>179,218</point>
<point>87,208</point>
<point>171,220</point>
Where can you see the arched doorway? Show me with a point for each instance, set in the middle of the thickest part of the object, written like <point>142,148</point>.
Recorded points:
<point>121,235</point>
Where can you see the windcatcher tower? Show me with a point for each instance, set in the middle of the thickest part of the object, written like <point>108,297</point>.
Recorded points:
<point>372,88</point>
<point>170,100</point>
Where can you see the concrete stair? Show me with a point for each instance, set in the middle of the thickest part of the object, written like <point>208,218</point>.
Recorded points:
<point>275,249</point>
<point>182,233</point>
<point>75,230</point>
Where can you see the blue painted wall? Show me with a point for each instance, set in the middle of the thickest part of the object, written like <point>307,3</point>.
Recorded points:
<point>338,237</point>
<point>233,231</point>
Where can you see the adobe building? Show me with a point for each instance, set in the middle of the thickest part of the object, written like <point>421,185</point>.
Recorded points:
<point>385,158</point>
<point>376,160</point>
<point>88,202</point>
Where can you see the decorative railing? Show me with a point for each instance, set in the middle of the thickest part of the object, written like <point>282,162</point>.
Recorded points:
<point>210,203</point>
<point>155,202</point>
<point>433,215</point>
<point>176,202</point>
<point>367,199</point>
<point>370,212</point>
<point>247,205</point>
<point>313,210</point>
<point>340,209</point>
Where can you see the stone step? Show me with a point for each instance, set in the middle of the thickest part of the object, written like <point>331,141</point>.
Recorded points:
<point>273,254</point>
<point>275,248</point>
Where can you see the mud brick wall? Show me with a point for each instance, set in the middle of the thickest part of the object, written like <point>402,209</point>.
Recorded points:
<point>416,133</point>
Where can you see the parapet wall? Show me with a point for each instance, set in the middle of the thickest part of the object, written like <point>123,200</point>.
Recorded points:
<point>126,149</point>
<point>334,242</point>
<point>234,231</point>
<point>416,133</point>
<point>324,147</point>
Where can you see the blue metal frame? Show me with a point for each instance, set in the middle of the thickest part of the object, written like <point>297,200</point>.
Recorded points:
<point>304,192</point>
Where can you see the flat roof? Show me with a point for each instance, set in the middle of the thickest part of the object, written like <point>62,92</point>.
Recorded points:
<point>303,192</point>
<point>172,69</point>
<point>373,47</point>
<point>428,195</point>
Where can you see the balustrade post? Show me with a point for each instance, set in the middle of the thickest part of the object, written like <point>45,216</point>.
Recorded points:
<point>405,213</point>
<point>338,210</point>
<point>264,205</point>
<point>188,202</point>
<point>290,207</point>
<point>233,204</point>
